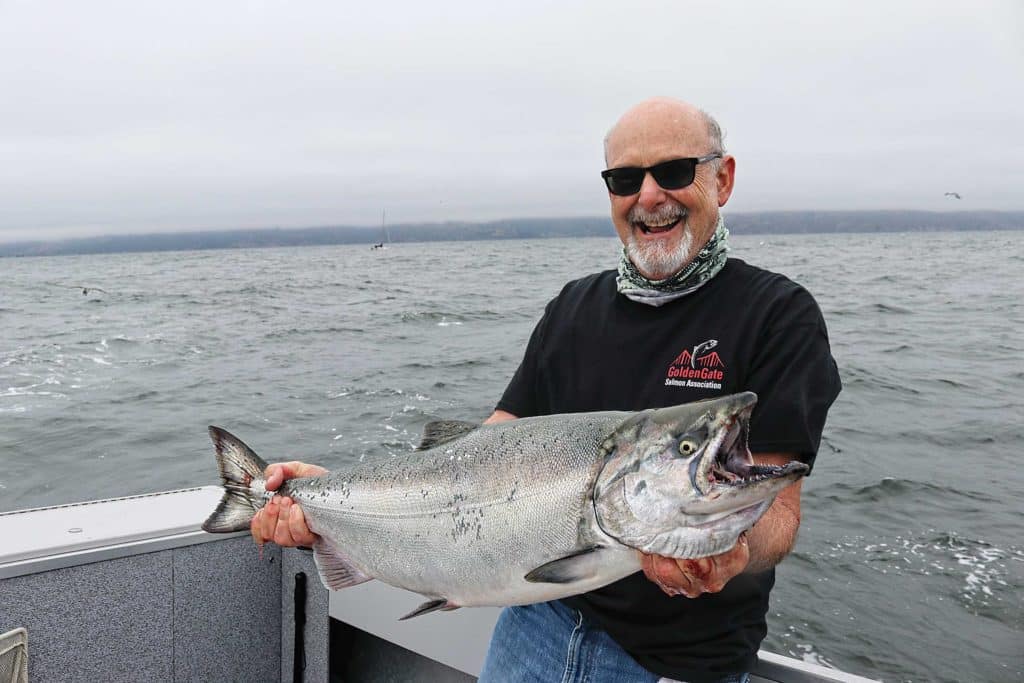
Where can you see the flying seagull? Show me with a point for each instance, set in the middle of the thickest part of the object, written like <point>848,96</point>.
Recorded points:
<point>953,194</point>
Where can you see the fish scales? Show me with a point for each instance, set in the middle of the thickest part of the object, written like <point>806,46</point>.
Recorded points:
<point>491,504</point>
<point>526,510</point>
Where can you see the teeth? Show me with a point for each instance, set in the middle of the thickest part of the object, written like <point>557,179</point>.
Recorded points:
<point>657,226</point>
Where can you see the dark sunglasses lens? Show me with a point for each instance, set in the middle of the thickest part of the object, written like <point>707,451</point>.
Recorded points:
<point>670,175</point>
<point>624,181</point>
<point>675,174</point>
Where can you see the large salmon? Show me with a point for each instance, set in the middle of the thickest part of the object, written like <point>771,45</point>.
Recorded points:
<point>527,510</point>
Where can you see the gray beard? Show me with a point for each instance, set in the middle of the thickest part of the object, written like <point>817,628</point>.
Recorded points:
<point>656,261</point>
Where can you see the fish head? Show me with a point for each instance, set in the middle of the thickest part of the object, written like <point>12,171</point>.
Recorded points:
<point>680,481</point>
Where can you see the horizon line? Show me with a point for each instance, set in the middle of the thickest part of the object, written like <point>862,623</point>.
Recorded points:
<point>417,224</point>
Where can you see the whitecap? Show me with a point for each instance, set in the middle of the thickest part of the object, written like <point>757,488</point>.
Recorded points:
<point>807,653</point>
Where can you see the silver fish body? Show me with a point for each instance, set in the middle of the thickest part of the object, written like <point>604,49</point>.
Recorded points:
<point>527,510</point>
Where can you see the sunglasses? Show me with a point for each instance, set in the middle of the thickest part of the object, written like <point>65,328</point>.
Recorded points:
<point>674,174</point>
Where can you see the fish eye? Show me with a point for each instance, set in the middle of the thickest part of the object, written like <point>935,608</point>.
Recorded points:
<point>690,442</point>
<point>688,446</point>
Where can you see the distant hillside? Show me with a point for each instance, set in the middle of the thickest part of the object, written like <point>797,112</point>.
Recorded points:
<point>777,222</point>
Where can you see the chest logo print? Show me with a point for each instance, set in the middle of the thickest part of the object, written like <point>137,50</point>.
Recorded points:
<point>697,367</point>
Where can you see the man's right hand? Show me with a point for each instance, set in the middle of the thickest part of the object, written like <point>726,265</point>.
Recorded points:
<point>281,520</point>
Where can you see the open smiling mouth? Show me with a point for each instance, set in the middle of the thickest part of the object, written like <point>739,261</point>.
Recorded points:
<point>656,228</point>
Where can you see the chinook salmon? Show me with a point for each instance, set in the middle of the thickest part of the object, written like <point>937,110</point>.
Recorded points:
<point>527,510</point>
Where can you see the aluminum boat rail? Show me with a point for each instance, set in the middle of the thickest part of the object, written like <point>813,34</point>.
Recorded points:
<point>132,589</point>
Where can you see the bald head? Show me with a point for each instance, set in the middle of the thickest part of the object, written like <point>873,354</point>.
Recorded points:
<point>667,117</point>
<point>671,214</point>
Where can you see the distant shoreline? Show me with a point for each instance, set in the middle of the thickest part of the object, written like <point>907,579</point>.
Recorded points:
<point>762,223</point>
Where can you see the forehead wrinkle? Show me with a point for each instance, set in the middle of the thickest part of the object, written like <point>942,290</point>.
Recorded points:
<point>656,131</point>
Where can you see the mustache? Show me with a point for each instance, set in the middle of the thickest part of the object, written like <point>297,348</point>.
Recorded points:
<point>666,213</point>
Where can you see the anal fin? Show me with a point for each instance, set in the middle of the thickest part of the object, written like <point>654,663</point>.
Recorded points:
<point>576,567</point>
<point>336,571</point>
<point>430,606</point>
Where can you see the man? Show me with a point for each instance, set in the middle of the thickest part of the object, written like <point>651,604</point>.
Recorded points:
<point>677,322</point>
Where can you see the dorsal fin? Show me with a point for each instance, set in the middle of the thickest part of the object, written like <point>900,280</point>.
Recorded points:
<point>442,431</point>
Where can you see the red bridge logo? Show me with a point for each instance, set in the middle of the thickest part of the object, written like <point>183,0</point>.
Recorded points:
<point>699,363</point>
<point>710,360</point>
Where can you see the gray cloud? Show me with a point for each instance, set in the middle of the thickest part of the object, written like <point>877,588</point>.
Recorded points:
<point>127,117</point>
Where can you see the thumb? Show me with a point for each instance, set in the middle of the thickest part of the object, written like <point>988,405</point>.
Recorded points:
<point>277,473</point>
<point>280,472</point>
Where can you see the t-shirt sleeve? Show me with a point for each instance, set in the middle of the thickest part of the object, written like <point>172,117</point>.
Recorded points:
<point>795,378</point>
<point>521,397</point>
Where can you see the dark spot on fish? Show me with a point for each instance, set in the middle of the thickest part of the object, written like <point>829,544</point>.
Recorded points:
<point>640,486</point>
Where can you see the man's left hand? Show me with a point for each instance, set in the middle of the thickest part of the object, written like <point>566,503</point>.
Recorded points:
<point>692,578</point>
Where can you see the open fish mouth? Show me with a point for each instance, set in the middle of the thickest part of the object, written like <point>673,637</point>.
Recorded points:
<point>734,467</point>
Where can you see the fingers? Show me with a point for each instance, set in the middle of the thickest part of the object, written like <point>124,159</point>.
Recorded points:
<point>695,577</point>
<point>275,477</point>
<point>667,574</point>
<point>727,565</point>
<point>258,525</point>
<point>255,526</point>
<point>279,472</point>
<point>266,521</point>
<point>281,521</point>
<point>300,533</point>
<point>283,532</point>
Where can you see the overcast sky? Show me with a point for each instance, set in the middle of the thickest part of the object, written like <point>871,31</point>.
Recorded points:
<point>120,117</point>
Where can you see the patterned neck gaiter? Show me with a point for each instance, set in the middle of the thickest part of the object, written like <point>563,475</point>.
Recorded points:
<point>708,262</point>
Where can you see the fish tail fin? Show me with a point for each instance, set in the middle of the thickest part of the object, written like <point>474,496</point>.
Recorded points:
<point>239,467</point>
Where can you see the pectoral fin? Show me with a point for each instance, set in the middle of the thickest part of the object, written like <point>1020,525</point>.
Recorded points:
<point>576,567</point>
<point>336,571</point>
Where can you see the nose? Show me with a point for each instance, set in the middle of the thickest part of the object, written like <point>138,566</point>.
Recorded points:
<point>651,193</point>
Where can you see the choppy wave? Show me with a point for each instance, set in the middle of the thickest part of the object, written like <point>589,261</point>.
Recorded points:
<point>912,524</point>
<point>889,488</point>
<point>975,574</point>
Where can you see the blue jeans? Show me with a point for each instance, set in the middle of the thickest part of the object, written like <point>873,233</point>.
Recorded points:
<point>551,643</point>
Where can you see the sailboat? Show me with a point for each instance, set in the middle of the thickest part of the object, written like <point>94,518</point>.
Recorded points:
<point>384,229</point>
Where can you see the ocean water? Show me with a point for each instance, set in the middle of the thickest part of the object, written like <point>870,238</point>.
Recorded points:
<point>910,562</point>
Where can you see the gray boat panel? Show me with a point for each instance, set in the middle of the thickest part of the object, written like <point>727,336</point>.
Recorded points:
<point>42,539</point>
<point>458,639</point>
<point>206,612</point>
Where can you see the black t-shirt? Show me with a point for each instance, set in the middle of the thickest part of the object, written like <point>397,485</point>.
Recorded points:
<point>745,330</point>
